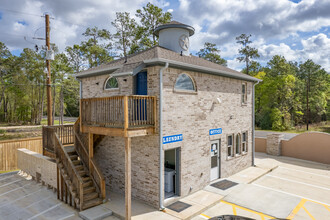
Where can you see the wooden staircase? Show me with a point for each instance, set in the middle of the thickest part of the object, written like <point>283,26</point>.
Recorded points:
<point>79,181</point>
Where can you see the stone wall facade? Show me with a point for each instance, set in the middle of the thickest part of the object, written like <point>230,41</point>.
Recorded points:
<point>194,114</point>
<point>274,144</point>
<point>190,114</point>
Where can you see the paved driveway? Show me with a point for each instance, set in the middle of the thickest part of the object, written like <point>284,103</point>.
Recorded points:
<point>294,189</point>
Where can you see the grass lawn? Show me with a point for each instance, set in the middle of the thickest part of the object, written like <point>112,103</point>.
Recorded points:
<point>320,127</point>
<point>56,122</point>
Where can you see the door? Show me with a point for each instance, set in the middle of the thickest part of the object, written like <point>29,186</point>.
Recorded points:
<point>141,84</point>
<point>215,159</point>
<point>172,172</point>
<point>141,88</point>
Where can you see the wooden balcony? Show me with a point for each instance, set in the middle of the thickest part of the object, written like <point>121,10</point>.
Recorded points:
<point>125,116</point>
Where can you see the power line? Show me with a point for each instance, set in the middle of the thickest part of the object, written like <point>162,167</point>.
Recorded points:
<point>20,12</point>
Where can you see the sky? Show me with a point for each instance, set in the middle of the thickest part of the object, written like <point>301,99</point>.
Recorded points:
<point>297,29</point>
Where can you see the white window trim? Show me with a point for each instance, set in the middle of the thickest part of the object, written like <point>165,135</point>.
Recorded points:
<point>231,146</point>
<point>106,81</point>
<point>184,90</point>
<point>246,142</point>
<point>240,144</point>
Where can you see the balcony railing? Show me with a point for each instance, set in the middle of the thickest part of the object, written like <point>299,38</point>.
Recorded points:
<point>119,111</point>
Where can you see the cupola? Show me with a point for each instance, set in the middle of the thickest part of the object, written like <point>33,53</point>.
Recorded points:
<point>175,36</point>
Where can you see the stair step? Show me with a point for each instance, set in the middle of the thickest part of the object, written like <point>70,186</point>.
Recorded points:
<point>76,162</point>
<point>73,157</point>
<point>82,172</point>
<point>91,203</point>
<point>86,179</point>
<point>90,196</point>
<point>89,189</point>
<point>72,153</point>
<point>88,183</point>
<point>79,167</point>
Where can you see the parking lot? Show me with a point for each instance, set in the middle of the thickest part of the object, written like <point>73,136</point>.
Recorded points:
<point>293,189</point>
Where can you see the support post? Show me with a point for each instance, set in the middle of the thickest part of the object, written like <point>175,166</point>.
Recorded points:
<point>90,150</point>
<point>125,113</point>
<point>128,189</point>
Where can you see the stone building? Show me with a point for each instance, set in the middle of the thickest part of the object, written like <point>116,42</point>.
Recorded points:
<point>202,118</point>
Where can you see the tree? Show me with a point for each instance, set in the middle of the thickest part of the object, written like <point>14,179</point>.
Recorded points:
<point>95,52</point>
<point>211,53</point>
<point>126,30</point>
<point>315,92</point>
<point>247,53</point>
<point>75,57</point>
<point>150,16</point>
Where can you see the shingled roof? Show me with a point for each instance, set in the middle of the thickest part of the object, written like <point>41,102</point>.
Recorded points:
<point>159,56</point>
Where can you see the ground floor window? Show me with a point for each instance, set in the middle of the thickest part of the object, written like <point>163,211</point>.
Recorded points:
<point>238,144</point>
<point>244,142</point>
<point>230,145</point>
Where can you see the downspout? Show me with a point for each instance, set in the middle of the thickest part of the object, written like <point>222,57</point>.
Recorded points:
<point>161,153</point>
<point>253,123</point>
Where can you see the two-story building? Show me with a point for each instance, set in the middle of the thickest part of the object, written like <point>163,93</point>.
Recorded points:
<point>170,122</point>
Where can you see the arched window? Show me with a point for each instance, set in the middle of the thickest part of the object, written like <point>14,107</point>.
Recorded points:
<point>238,144</point>
<point>111,83</point>
<point>184,82</point>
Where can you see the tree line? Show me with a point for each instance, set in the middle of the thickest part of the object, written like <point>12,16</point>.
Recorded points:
<point>280,97</point>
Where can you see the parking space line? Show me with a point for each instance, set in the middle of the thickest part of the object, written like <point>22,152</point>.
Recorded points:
<point>297,208</point>
<point>304,171</point>
<point>310,215</point>
<point>327,207</point>
<point>249,210</point>
<point>205,216</point>
<point>277,190</point>
<point>234,210</point>
<point>307,184</point>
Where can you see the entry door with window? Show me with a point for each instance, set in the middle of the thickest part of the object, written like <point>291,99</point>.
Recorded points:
<point>215,160</point>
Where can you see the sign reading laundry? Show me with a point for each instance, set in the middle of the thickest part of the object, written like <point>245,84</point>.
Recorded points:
<point>215,131</point>
<point>173,138</point>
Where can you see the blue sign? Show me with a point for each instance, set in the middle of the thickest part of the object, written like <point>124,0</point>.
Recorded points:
<point>171,139</point>
<point>215,131</point>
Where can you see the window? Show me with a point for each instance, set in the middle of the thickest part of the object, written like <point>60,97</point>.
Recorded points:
<point>111,83</point>
<point>230,145</point>
<point>244,142</point>
<point>244,93</point>
<point>184,82</point>
<point>238,144</point>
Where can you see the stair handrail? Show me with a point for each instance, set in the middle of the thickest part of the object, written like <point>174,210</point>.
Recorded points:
<point>64,157</point>
<point>100,180</point>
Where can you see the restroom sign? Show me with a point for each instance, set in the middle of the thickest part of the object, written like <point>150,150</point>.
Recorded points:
<point>173,138</point>
<point>215,131</point>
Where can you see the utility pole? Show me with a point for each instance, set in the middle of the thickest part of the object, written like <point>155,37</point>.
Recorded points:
<point>48,79</point>
<point>307,93</point>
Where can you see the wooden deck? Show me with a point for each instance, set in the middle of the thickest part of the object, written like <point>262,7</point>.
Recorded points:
<point>125,116</point>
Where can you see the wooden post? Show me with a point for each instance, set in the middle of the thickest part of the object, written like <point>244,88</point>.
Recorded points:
<point>125,114</point>
<point>128,190</point>
<point>80,116</point>
<point>90,150</point>
<point>48,80</point>
<point>58,183</point>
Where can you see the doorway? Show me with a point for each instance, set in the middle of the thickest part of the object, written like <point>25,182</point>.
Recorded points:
<point>172,172</point>
<point>215,159</point>
<point>141,83</point>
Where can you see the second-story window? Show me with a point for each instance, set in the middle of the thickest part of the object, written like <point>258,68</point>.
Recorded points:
<point>184,82</point>
<point>111,83</point>
<point>244,93</point>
